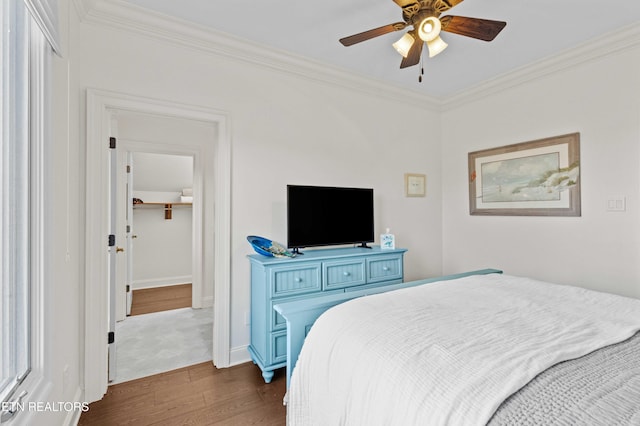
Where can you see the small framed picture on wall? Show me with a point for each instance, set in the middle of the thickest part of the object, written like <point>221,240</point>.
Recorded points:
<point>415,185</point>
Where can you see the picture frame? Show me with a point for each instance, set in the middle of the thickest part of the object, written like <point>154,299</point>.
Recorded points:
<point>536,178</point>
<point>415,185</point>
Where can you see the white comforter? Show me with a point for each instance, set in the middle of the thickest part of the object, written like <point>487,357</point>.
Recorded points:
<point>447,353</point>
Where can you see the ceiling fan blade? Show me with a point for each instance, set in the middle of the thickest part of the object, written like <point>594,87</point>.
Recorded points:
<point>453,3</point>
<point>482,29</point>
<point>414,54</point>
<point>403,3</point>
<point>366,35</point>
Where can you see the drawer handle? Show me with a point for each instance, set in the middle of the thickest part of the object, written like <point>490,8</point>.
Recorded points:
<point>298,279</point>
<point>385,268</point>
<point>346,274</point>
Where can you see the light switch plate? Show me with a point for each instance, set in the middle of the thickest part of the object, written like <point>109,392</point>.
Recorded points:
<point>617,204</point>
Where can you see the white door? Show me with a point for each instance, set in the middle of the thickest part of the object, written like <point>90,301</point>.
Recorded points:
<point>130,235</point>
<point>113,251</point>
<point>122,232</point>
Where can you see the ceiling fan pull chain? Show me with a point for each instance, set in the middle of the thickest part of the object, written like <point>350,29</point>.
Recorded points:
<point>421,67</point>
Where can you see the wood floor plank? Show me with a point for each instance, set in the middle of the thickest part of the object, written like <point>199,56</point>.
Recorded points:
<point>167,394</point>
<point>175,408</point>
<point>122,392</point>
<point>157,299</point>
<point>197,395</point>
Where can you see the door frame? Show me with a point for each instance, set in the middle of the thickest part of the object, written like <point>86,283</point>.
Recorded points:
<point>216,232</point>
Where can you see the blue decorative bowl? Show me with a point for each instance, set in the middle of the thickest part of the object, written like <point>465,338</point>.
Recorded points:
<point>267,247</point>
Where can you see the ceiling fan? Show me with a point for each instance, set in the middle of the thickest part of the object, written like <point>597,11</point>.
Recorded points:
<point>424,17</point>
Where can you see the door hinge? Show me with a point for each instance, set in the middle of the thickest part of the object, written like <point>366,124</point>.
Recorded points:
<point>112,240</point>
<point>128,288</point>
<point>111,337</point>
<point>128,228</point>
<point>112,143</point>
<point>128,168</point>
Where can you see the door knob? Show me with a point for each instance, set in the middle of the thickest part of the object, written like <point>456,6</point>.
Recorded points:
<point>119,249</point>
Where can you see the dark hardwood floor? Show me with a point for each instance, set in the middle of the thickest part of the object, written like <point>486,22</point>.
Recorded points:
<point>197,395</point>
<point>148,300</point>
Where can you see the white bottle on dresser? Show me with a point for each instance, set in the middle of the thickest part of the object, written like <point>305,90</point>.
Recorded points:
<point>387,240</point>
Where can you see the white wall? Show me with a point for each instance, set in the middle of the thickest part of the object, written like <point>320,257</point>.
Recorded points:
<point>162,249</point>
<point>600,250</point>
<point>285,128</point>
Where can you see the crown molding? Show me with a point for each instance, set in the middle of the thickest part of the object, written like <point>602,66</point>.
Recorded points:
<point>82,7</point>
<point>612,43</point>
<point>131,18</point>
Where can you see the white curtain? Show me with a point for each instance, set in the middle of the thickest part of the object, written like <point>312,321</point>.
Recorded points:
<point>45,13</point>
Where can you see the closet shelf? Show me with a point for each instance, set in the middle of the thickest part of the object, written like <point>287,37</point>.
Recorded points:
<point>167,207</point>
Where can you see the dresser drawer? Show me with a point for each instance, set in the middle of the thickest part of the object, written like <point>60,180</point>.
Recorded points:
<point>278,347</point>
<point>295,279</point>
<point>384,268</point>
<point>343,273</point>
<point>276,320</point>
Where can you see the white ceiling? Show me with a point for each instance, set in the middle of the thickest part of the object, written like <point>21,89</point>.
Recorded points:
<point>536,29</point>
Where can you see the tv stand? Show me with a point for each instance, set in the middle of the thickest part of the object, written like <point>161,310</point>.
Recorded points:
<point>364,245</point>
<point>318,273</point>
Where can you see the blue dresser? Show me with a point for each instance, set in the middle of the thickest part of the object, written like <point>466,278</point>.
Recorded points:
<point>316,273</point>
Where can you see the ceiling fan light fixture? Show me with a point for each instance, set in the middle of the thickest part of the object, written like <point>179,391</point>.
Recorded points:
<point>422,17</point>
<point>404,44</point>
<point>436,46</point>
<point>429,28</point>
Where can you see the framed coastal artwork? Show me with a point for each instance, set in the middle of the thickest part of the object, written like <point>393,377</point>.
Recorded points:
<point>537,178</point>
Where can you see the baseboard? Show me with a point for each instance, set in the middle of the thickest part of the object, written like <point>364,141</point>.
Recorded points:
<point>161,282</point>
<point>73,417</point>
<point>239,355</point>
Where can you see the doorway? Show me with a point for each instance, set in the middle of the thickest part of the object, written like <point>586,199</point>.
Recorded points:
<point>211,234</point>
<point>160,331</point>
<point>159,226</point>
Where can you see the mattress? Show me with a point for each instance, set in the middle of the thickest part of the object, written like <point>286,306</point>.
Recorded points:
<point>451,353</point>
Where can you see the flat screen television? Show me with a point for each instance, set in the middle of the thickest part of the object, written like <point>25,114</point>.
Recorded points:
<point>324,216</point>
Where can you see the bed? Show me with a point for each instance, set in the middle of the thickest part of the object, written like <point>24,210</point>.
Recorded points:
<point>474,349</point>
